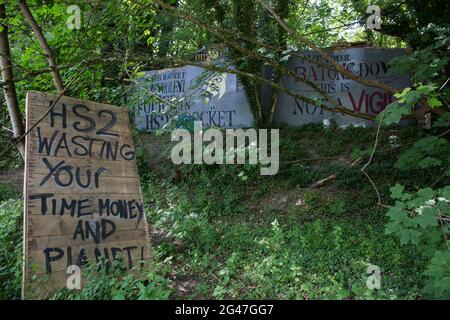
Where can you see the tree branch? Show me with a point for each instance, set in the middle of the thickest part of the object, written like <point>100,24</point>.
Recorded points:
<point>44,45</point>
<point>221,33</point>
<point>324,55</point>
<point>9,89</point>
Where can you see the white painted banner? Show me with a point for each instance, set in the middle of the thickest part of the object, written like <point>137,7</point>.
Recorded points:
<point>216,99</point>
<point>369,63</point>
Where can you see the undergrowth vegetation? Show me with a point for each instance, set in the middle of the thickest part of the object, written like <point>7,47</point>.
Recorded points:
<point>228,232</point>
<point>11,234</point>
<point>106,281</point>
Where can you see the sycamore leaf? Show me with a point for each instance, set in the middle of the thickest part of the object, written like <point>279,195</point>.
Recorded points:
<point>414,236</point>
<point>426,193</point>
<point>395,213</point>
<point>429,162</point>
<point>427,218</point>
<point>391,227</point>
<point>446,192</point>
<point>409,235</point>
<point>403,93</point>
<point>394,113</point>
<point>404,236</point>
<point>397,191</point>
<point>434,102</point>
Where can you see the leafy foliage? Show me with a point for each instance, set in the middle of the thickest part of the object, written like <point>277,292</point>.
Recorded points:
<point>11,212</point>
<point>421,217</point>
<point>438,275</point>
<point>425,153</point>
<point>223,237</point>
<point>407,99</point>
<point>110,282</point>
<point>429,61</point>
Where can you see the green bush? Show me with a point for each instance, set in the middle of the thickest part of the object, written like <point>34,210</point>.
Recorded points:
<point>11,212</point>
<point>110,282</point>
<point>220,232</point>
<point>7,191</point>
<point>422,219</point>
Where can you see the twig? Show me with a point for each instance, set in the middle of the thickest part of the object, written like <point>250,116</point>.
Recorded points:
<point>7,129</point>
<point>17,140</point>
<point>440,178</point>
<point>442,87</point>
<point>370,160</point>
<point>320,183</point>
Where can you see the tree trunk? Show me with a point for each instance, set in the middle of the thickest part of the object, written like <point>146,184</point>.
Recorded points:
<point>9,88</point>
<point>44,45</point>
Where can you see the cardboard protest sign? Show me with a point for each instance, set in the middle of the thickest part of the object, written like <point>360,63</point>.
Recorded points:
<point>82,194</point>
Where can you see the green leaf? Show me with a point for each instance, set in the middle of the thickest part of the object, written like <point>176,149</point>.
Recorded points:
<point>403,93</point>
<point>434,102</point>
<point>397,191</point>
<point>414,236</point>
<point>394,113</point>
<point>404,237</point>
<point>427,218</point>
<point>429,162</point>
<point>395,213</point>
<point>445,192</point>
<point>392,227</point>
<point>409,235</point>
<point>426,89</point>
<point>426,193</point>
<point>412,97</point>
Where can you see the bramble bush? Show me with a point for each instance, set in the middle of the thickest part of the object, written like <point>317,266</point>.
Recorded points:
<point>11,212</point>
<point>110,281</point>
<point>421,217</point>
